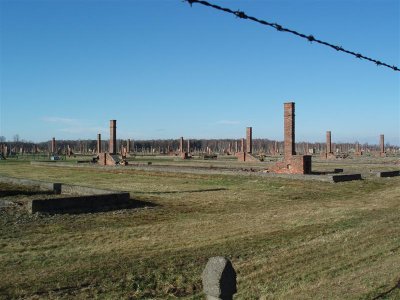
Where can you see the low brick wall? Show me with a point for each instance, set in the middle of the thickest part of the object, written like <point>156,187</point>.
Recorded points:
<point>246,157</point>
<point>295,164</point>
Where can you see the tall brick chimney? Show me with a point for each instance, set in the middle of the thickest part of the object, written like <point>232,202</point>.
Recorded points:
<point>382,143</point>
<point>242,144</point>
<point>328,142</point>
<point>181,145</point>
<point>289,133</point>
<point>249,140</point>
<point>53,145</point>
<point>98,143</point>
<point>113,137</point>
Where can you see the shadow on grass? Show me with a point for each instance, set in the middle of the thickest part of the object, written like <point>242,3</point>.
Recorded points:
<point>336,171</point>
<point>142,204</point>
<point>180,192</point>
<point>93,208</point>
<point>384,294</point>
<point>7,193</point>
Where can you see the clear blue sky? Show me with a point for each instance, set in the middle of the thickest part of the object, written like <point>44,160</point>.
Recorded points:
<point>163,70</point>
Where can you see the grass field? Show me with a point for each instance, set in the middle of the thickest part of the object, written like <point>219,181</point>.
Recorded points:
<point>287,239</point>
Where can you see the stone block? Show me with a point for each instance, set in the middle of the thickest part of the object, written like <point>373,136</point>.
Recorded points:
<point>346,177</point>
<point>219,279</point>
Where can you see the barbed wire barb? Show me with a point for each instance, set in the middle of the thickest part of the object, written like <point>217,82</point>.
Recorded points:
<point>242,15</point>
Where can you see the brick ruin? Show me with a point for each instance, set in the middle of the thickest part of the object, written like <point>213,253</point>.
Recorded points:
<point>292,163</point>
<point>53,146</point>
<point>246,155</point>
<point>111,157</point>
<point>328,151</point>
<point>249,140</point>
<point>382,145</point>
<point>98,143</point>
<point>113,137</point>
<point>358,150</point>
<point>182,153</point>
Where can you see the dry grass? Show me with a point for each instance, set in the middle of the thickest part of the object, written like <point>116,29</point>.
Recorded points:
<point>287,239</point>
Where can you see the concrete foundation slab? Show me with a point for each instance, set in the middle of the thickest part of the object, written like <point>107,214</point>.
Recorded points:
<point>76,199</point>
<point>388,174</point>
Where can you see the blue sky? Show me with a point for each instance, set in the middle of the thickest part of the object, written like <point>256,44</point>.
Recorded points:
<point>164,69</point>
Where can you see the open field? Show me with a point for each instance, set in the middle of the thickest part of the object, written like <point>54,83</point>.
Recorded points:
<point>287,239</point>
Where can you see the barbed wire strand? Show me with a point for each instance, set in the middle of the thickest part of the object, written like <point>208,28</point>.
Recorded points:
<point>310,38</point>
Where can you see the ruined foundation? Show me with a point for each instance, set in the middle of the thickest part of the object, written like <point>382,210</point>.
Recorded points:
<point>110,158</point>
<point>292,163</point>
<point>382,152</point>
<point>246,155</point>
<point>296,164</point>
<point>328,153</point>
<point>75,199</point>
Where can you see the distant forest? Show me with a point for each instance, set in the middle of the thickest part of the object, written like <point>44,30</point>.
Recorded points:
<point>261,146</point>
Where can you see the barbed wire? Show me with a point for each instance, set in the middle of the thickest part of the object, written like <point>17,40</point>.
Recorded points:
<point>310,38</point>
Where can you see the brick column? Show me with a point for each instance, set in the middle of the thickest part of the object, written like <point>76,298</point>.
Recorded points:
<point>249,140</point>
<point>53,145</point>
<point>188,146</point>
<point>98,143</point>
<point>128,146</point>
<point>328,142</point>
<point>289,133</point>
<point>181,145</point>
<point>242,145</point>
<point>113,137</point>
<point>382,143</point>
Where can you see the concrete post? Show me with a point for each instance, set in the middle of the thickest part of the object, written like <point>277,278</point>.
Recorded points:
<point>219,279</point>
